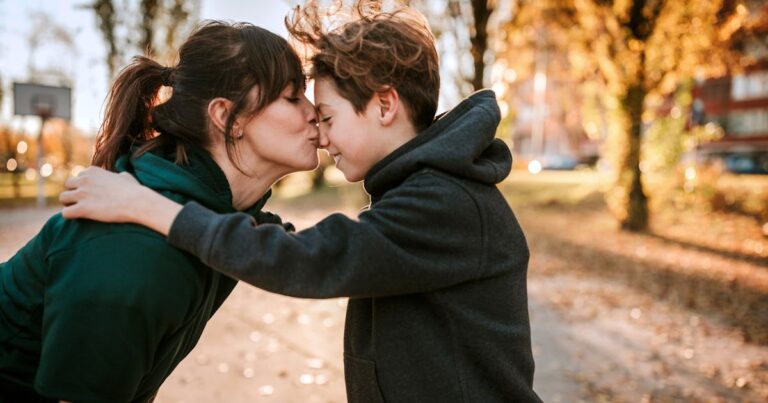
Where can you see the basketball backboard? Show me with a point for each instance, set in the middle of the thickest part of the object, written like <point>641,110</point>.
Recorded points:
<point>42,100</point>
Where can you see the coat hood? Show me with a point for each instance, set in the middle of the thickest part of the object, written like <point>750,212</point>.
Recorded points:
<point>461,142</point>
<point>199,180</point>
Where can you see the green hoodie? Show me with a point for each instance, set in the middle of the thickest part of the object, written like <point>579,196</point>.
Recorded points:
<point>97,312</point>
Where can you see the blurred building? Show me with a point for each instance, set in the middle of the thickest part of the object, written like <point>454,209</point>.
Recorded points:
<point>739,105</point>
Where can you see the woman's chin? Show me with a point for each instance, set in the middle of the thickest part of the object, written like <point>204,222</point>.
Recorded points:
<point>310,165</point>
<point>314,163</point>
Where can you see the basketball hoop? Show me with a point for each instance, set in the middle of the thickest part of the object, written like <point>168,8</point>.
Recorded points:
<point>45,102</point>
<point>42,100</point>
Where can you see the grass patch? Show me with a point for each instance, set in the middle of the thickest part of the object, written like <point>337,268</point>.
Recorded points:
<point>555,188</point>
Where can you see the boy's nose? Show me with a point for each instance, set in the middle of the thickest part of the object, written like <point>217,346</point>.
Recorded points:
<point>322,139</point>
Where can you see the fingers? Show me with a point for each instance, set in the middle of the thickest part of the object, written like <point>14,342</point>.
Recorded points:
<point>92,170</point>
<point>83,177</point>
<point>73,182</point>
<point>87,176</point>
<point>71,212</point>
<point>128,176</point>
<point>69,197</point>
<point>90,194</point>
<point>79,180</point>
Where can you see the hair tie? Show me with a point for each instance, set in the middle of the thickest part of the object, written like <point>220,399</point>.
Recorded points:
<point>166,76</point>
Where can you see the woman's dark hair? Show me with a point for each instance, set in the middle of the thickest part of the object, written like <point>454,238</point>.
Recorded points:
<point>219,59</point>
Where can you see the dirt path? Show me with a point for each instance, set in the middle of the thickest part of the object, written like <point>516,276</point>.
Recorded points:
<point>624,344</point>
<point>593,339</point>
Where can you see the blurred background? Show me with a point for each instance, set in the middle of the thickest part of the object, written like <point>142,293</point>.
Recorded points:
<point>639,130</point>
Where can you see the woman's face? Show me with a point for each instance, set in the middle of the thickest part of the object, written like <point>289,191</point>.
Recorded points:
<point>284,134</point>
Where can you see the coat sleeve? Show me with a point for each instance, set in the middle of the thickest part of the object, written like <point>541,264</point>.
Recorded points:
<point>422,236</point>
<point>227,285</point>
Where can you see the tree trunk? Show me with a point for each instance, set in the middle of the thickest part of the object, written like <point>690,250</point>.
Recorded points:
<point>481,13</point>
<point>16,184</point>
<point>179,15</point>
<point>149,11</point>
<point>105,14</point>
<point>10,146</point>
<point>635,216</point>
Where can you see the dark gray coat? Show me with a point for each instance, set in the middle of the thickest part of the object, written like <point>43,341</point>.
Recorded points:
<point>435,269</point>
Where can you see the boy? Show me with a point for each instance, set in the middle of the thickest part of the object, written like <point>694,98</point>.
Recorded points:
<point>435,269</point>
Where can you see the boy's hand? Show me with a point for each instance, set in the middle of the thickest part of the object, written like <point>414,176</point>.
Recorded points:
<point>100,195</point>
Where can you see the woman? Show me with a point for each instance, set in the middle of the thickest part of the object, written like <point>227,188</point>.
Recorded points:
<point>104,312</point>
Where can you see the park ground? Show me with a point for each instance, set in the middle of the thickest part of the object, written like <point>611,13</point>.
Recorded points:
<point>675,314</point>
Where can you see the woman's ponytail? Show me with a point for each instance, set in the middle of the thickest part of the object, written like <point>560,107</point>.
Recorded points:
<point>127,118</point>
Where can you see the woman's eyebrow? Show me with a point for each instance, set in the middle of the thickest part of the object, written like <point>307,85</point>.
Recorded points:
<point>320,107</point>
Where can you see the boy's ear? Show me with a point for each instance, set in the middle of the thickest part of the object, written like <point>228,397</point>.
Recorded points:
<point>218,112</point>
<point>389,104</point>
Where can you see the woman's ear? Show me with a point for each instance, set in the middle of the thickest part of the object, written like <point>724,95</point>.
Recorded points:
<point>218,112</point>
<point>389,103</point>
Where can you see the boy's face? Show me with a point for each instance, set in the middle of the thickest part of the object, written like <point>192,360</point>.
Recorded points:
<point>353,140</point>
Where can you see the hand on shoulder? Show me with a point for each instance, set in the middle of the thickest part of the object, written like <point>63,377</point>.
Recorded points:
<point>101,195</point>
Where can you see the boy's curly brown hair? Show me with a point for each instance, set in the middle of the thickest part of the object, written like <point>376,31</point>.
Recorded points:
<point>372,51</point>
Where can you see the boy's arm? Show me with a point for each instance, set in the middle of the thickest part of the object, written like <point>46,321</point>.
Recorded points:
<point>421,236</point>
<point>226,284</point>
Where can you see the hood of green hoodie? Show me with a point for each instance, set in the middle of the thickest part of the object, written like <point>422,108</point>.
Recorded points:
<point>462,143</point>
<point>200,180</point>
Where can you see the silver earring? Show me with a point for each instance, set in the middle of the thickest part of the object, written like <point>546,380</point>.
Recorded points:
<point>239,135</point>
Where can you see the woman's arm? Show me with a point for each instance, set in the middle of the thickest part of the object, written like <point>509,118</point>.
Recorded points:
<point>100,195</point>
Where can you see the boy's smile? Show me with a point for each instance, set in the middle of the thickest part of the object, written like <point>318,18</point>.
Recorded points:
<point>336,158</point>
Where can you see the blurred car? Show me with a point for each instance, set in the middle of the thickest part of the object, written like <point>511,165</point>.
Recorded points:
<point>558,162</point>
<point>753,163</point>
